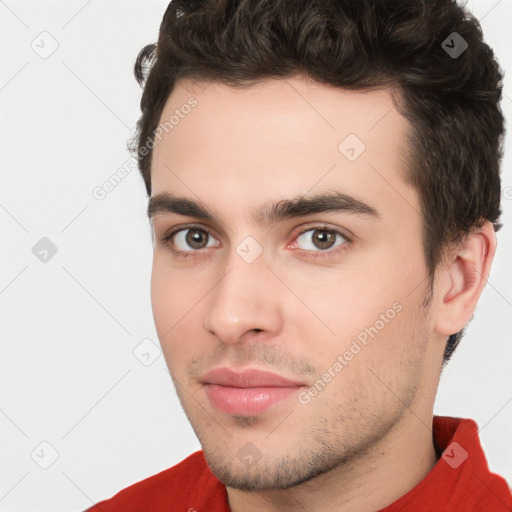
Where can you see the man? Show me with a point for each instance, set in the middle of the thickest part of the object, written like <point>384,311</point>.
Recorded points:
<point>324,194</point>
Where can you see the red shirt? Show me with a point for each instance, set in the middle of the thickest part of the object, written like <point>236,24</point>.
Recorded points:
<point>459,482</point>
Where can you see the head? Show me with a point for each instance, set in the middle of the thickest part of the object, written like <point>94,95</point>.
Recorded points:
<point>340,170</point>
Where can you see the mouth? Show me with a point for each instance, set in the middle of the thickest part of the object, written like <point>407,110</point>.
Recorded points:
<point>247,393</point>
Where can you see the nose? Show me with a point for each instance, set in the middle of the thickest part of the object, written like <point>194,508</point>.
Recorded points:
<point>243,302</point>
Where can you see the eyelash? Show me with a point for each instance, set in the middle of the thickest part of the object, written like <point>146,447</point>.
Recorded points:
<point>167,239</point>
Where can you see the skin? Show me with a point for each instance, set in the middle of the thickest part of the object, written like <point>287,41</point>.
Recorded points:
<point>366,439</point>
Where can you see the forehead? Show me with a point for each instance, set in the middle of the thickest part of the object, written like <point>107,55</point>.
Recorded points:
<point>278,138</point>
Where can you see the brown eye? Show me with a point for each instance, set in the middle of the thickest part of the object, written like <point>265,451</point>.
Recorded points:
<point>189,240</point>
<point>196,238</point>
<point>320,239</point>
<point>323,239</point>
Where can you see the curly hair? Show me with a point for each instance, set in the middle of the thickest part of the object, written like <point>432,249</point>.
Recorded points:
<point>451,101</point>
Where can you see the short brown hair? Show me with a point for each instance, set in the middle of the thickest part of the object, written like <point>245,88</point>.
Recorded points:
<point>451,101</point>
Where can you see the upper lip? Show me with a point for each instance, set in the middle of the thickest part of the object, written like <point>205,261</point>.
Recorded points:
<point>250,378</point>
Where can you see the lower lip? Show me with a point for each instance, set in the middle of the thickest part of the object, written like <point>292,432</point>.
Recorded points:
<point>247,401</point>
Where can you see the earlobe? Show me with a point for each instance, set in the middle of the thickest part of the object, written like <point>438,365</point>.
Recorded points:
<point>462,279</point>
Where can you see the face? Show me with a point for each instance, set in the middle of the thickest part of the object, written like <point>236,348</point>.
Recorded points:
<point>298,252</point>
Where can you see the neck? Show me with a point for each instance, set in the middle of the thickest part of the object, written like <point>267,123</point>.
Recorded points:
<point>374,480</point>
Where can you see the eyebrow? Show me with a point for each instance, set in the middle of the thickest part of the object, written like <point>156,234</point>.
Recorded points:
<point>298,206</point>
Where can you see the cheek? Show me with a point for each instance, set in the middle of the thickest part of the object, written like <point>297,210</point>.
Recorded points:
<point>175,309</point>
<point>363,311</point>
<point>344,299</point>
<point>373,363</point>
<point>163,298</point>
<point>174,292</point>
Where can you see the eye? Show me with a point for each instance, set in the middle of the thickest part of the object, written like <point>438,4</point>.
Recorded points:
<point>316,241</point>
<point>182,242</point>
<point>320,239</point>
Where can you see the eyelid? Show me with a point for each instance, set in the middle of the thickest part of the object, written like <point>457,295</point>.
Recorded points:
<point>320,255</point>
<point>167,239</point>
<point>324,226</point>
<point>176,229</point>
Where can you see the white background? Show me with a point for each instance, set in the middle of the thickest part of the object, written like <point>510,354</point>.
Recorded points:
<point>69,326</point>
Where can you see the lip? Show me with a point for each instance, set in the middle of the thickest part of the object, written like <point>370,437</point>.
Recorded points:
<point>250,378</point>
<point>247,393</point>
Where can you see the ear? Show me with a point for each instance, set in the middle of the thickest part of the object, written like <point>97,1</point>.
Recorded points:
<point>462,278</point>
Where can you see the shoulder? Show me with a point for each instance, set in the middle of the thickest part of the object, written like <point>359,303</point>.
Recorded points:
<point>493,493</point>
<point>473,482</point>
<point>187,485</point>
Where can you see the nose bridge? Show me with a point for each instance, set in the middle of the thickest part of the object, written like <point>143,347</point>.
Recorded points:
<point>241,300</point>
